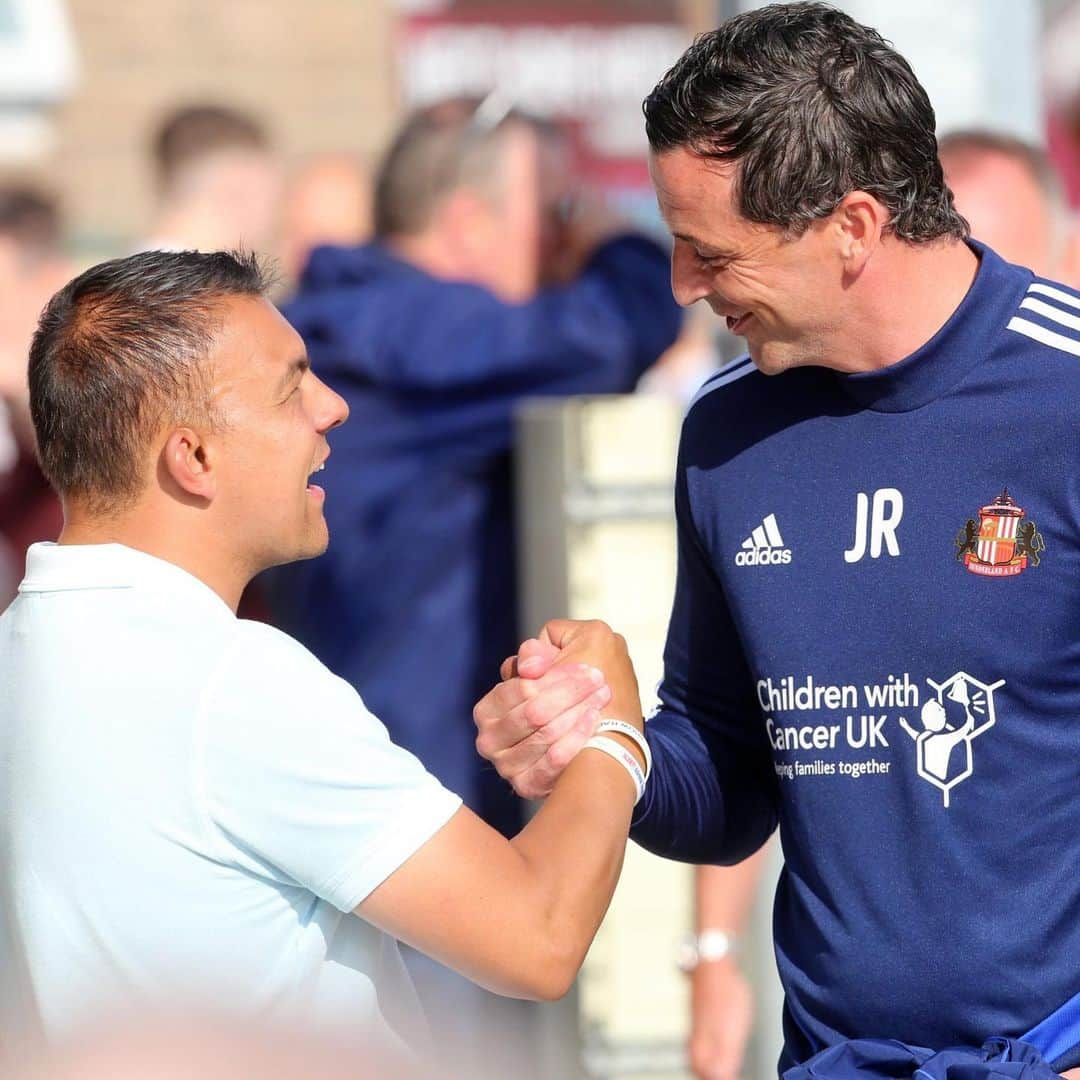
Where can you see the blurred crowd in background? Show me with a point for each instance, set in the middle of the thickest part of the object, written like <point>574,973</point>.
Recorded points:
<point>485,247</point>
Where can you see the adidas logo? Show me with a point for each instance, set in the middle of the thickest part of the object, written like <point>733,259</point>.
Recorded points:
<point>764,546</point>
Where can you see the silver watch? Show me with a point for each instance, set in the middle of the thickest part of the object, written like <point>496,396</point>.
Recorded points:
<point>696,949</point>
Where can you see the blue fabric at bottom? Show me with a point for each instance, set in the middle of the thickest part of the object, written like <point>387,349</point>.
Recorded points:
<point>1058,1036</point>
<point>867,1059</point>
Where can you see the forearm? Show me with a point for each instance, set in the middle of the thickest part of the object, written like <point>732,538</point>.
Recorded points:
<point>706,802</point>
<point>724,895</point>
<point>573,851</point>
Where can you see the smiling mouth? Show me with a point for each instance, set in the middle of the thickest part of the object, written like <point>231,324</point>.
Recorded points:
<point>737,323</point>
<point>314,488</point>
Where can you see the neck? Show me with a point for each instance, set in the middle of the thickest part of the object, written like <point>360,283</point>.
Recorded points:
<point>908,293</point>
<point>162,536</point>
<point>429,253</point>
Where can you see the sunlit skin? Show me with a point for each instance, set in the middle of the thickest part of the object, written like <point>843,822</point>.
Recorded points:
<point>845,294</point>
<point>229,500</point>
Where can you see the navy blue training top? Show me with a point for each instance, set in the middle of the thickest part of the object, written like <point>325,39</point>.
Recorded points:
<point>876,643</point>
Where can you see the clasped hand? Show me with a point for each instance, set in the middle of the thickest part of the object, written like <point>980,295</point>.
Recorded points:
<point>553,694</point>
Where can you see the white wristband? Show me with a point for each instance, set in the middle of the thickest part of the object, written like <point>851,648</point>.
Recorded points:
<point>624,757</point>
<point>635,736</point>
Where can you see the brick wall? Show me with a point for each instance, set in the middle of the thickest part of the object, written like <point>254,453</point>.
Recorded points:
<point>318,73</point>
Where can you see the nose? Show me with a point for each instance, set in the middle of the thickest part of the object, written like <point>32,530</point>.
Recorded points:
<point>689,281</point>
<point>331,409</point>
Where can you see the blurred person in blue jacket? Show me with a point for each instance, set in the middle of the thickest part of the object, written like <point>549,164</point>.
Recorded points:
<point>490,280</point>
<point>434,333</point>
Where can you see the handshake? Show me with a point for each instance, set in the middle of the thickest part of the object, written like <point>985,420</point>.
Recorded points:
<point>553,696</point>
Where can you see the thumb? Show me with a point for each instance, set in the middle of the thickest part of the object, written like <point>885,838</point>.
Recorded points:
<point>560,632</point>
<point>535,658</point>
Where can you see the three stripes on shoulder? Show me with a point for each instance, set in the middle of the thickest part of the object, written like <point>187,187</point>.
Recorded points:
<point>1056,319</point>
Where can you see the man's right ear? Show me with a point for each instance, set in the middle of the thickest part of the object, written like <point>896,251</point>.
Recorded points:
<point>188,462</point>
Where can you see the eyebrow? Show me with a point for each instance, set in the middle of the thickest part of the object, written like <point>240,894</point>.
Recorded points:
<point>297,367</point>
<point>686,238</point>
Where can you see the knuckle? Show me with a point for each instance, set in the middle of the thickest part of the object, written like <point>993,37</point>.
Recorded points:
<point>535,715</point>
<point>559,756</point>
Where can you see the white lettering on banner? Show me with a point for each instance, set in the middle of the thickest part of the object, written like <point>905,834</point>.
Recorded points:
<point>884,515</point>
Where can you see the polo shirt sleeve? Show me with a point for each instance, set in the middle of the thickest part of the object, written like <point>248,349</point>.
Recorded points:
<point>300,782</point>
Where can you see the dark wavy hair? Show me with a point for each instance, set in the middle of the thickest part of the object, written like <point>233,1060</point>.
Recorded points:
<point>811,105</point>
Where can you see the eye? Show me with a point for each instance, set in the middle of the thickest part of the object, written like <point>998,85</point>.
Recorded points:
<point>712,262</point>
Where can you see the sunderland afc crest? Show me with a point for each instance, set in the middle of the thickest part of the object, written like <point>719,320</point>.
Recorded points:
<point>1001,543</point>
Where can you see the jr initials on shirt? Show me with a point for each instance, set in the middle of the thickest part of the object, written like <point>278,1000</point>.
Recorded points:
<point>886,510</point>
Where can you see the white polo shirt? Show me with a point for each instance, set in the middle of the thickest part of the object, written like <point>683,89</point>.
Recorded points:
<point>191,805</point>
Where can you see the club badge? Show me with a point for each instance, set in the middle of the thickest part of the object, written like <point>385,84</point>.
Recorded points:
<point>1001,543</point>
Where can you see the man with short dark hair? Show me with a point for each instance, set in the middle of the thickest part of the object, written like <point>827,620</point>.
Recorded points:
<point>877,509</point>
<point>196,810</point>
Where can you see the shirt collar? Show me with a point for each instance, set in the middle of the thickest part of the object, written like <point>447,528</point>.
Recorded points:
<point>52,567</point>
<point>961,344</point>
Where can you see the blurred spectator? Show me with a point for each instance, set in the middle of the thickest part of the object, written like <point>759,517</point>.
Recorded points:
<point>1012,197</point>
<point>328,201</point>
<point>31,269</point>
<point>694,357</point>
<point>722,1003</point>
<point>434,333</point>
<point>219,182</point>
<point>1061,79</point>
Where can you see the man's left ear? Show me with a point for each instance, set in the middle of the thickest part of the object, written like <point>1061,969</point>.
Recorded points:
<point>187,460</point>
<point>860,221</point>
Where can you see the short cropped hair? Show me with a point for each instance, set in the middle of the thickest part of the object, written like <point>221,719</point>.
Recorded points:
<point>30,219</point>
<point>453,144</point>
<point>810,105</point>
<point>194,132</point>
<point>121,350</point>
<point>973,143</point>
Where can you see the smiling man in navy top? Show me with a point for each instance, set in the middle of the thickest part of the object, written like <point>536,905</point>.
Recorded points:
<point>875,639</point>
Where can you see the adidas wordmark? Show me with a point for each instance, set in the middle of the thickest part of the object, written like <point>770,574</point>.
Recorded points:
<point>764,546</point>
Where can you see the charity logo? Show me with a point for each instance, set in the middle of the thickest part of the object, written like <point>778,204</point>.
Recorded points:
<point>1001,543</point>
<point>764,546</point>
<point>961,710</point>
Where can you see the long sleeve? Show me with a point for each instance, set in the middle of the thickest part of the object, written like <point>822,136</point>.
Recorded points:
<point>712,797</point>
<point>420,335</point>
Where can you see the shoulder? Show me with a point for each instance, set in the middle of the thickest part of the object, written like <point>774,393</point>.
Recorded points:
<point>263,664</point>
<point>1046,321</point>
<point>739,407</point>
<point>737,370</point>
